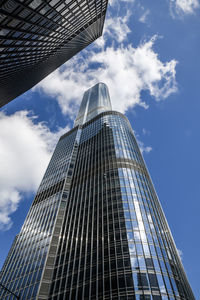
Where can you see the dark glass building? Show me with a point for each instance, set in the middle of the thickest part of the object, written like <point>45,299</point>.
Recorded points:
<point>37,36</point>
<point>96,229</point>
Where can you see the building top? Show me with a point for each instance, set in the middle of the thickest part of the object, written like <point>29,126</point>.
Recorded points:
<point>95,101</point>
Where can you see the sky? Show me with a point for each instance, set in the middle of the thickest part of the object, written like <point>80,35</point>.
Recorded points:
<point>149,58</point>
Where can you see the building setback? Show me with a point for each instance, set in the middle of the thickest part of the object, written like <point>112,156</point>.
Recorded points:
<point>37,36</point>
<point>96,229</point>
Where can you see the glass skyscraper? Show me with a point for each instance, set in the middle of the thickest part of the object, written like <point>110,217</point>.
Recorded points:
<point>38,36</point>
<point>96,229</point>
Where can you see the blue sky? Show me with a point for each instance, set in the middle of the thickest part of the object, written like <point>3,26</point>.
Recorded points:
<point>149,58</point>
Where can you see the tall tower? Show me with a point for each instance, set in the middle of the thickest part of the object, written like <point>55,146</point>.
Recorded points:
<point>96,229</point>
<point>37,37</point>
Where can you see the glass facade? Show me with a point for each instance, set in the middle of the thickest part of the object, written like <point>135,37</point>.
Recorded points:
<point>96,229</point>
<point>37,36</point>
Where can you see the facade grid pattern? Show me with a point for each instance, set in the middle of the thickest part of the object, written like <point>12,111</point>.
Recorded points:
<point>117,244</point>
<point>23,268</point>
<point>37,36</point>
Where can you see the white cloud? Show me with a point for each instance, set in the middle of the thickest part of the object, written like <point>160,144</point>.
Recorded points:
<point>25,150</point>
<point>183,7</point>
<point>117,27</point>
<point>114,2</point>
<point>143,148</point>
<point>143,18</point>
<point>145,131</point>
<point>180,252</point>
<point>126,70</point>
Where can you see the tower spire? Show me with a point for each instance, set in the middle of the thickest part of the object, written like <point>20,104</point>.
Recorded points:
<point>95,101</point>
